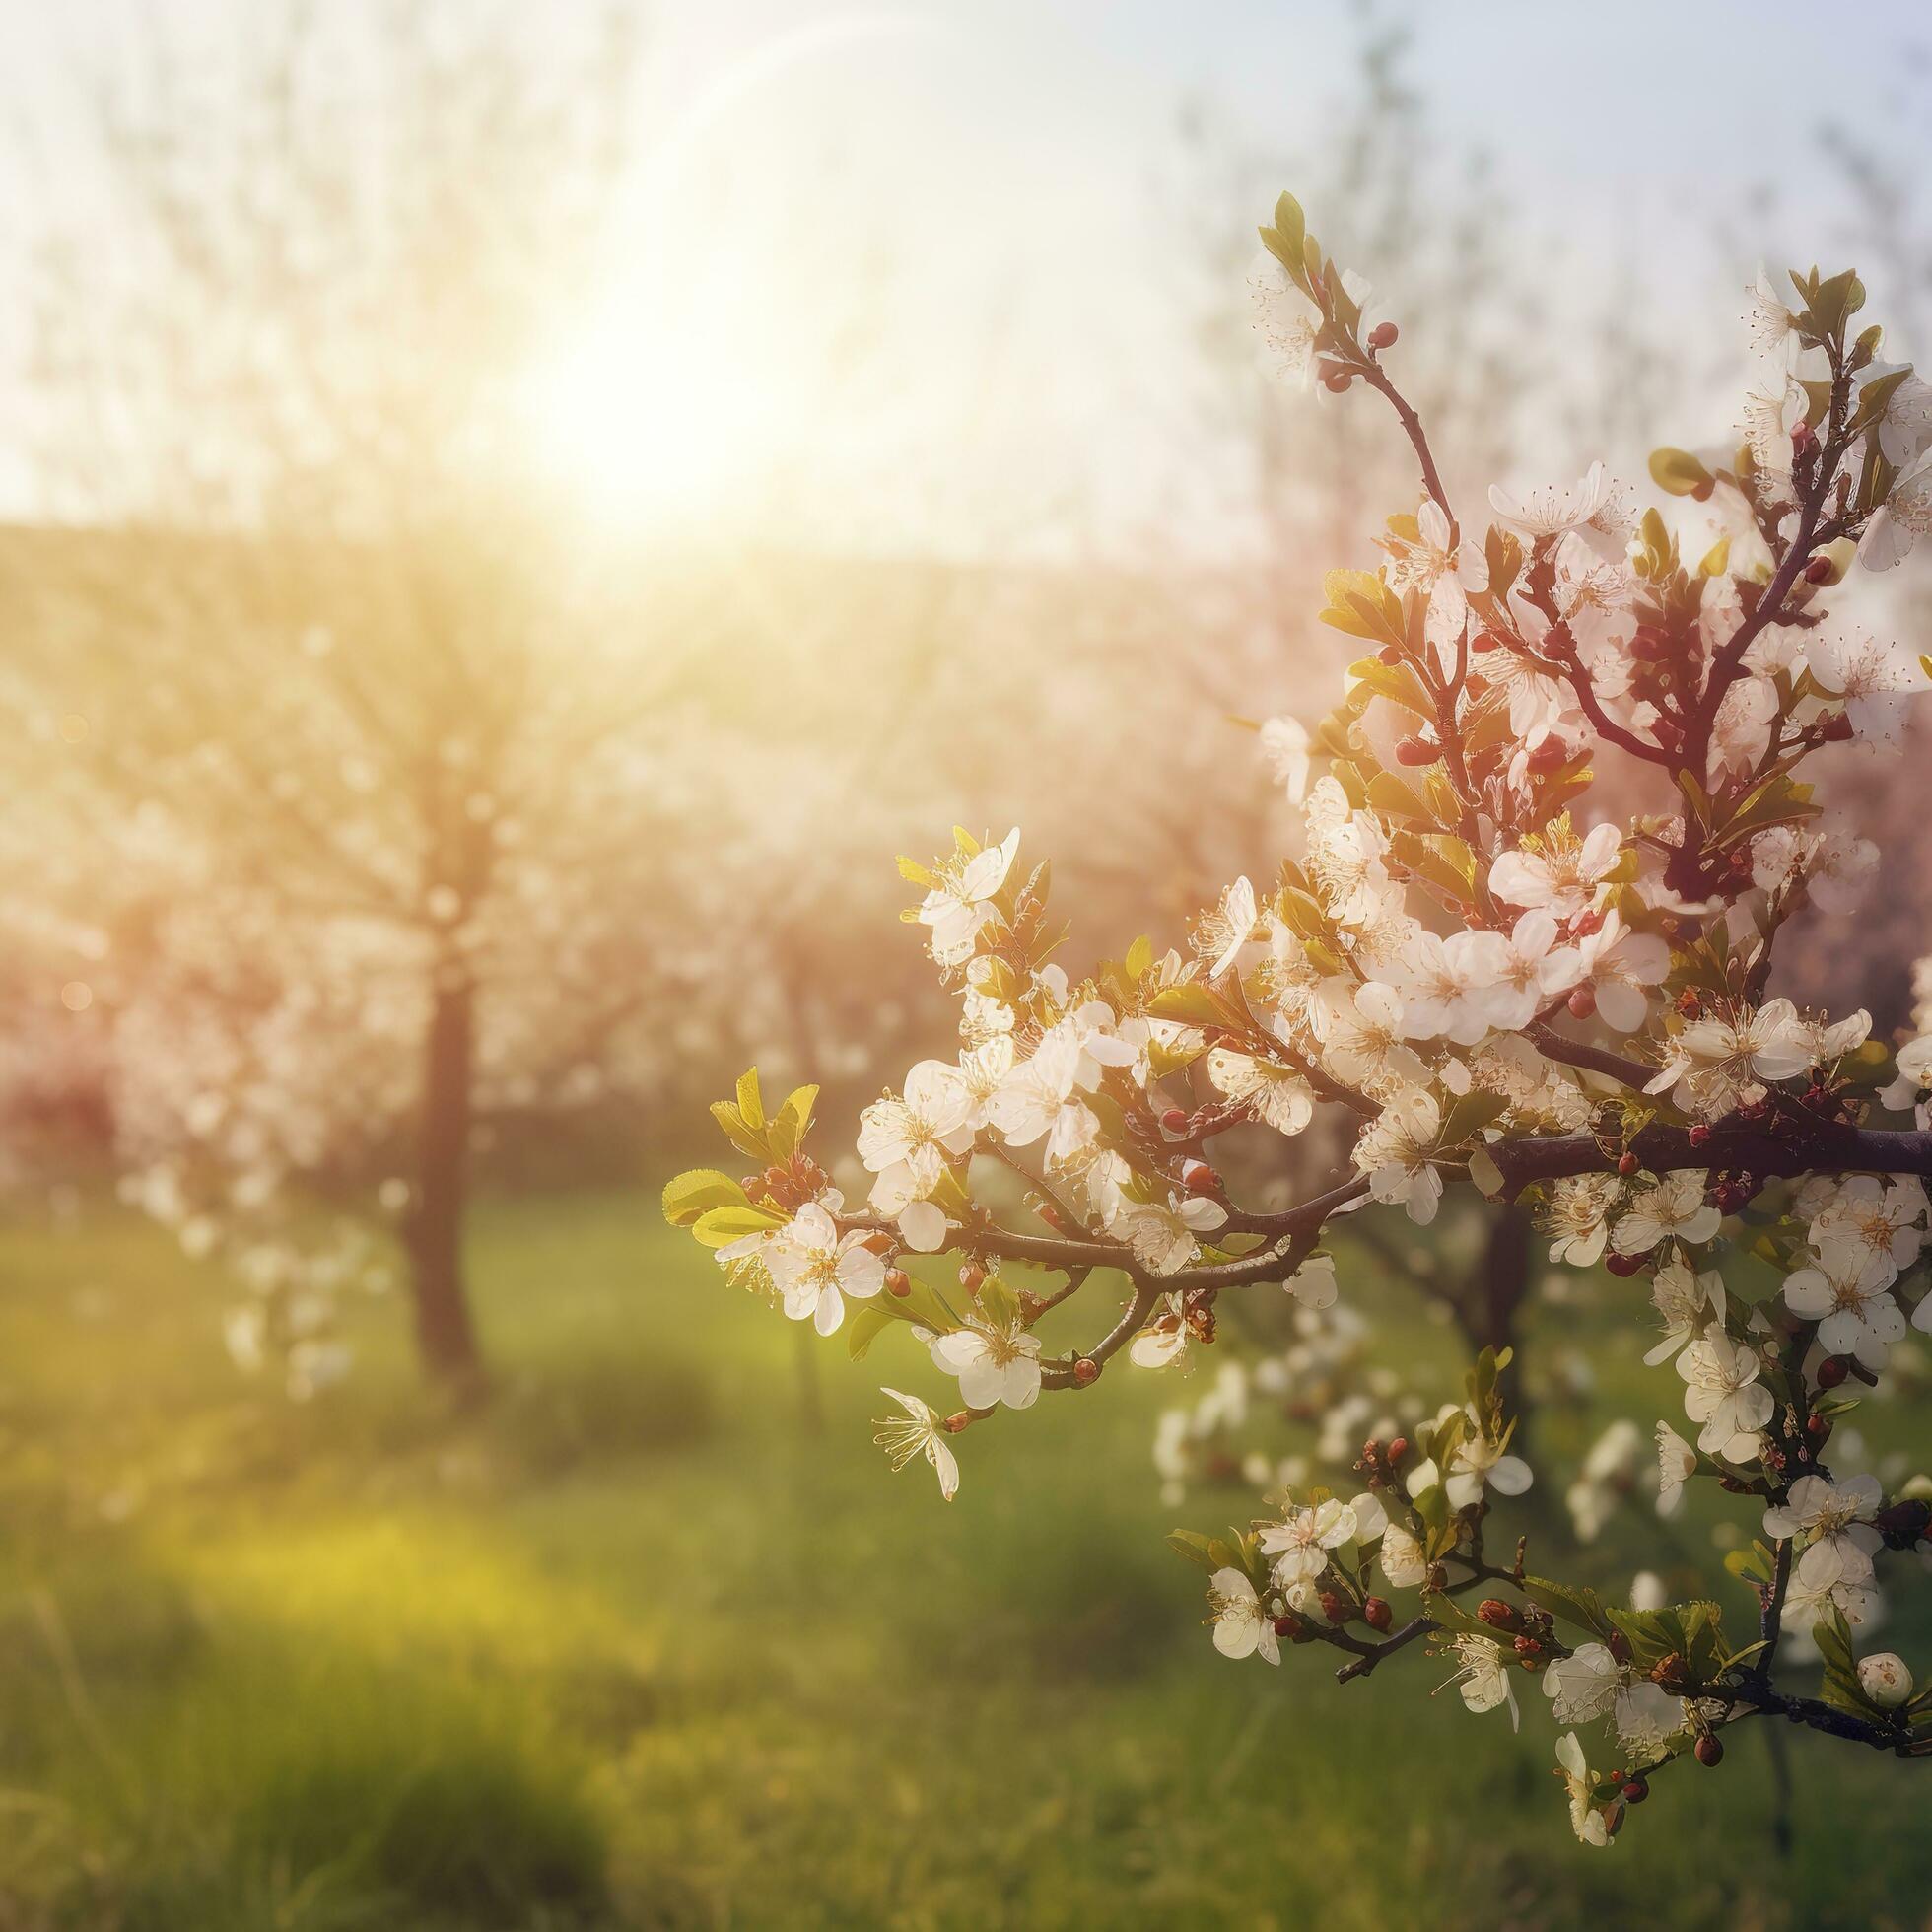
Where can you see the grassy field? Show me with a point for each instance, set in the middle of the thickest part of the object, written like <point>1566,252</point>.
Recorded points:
<point>640,1646</point>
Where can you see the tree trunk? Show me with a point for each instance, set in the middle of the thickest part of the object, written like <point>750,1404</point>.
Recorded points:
<point>1489,1308</point>
<point>446,1337</point>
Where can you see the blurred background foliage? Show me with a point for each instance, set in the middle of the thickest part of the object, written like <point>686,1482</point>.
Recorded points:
<point>460,719</point>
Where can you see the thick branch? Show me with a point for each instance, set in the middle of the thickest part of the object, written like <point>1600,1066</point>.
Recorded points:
<point>1819,1148</point>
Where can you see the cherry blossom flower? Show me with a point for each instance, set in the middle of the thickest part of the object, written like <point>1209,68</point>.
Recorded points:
<point>1364,1047</point>
<point>959,905</point>
<point>1242,1625</point>
<point>816,1268</point>
<point>1675,1210</point>
<point>1225,931</point>
<point>1773,327</point>
<point>1847,1293</point>
<point>1717,1065</point>
<point>906,1141</point>
<point>1550,511</point>
<point>1812,1598</point>
<point>1313,1285</point>
<point>1401,1558</point>
<point>1040,1099</point>
<point>1576,1215</point>
<point>1677,1463</point>
<point>1687,1302</point>
<point>1882,1215</point>
<point>1443,983</point>
<point>1898,521</point>
<point>1165,1340</point>
<point>1834,867</point>
<point>1285,322</point>
<point>1914,1078</point>
<point>1438,568</point>
<point>1533,970</point>
<point>995,1364</point>
<point>1835,1520</point>
<point>1724,1394</point>
<point>1284,744</point>
<point>1394,1152</point>
<point>1621,965</point>
<point>1873,678</point>
<point>1478,1464</point>
<point>1563,875</point>
<point>1586,1820</point>
<point>1646,1719</point>
<point>917,1433</point>
<point>1278,1095</point>
<point>1482,1675</point>
<point>1301,1542</point>
<point>1164,1235</point>
<point>1582,1685</point>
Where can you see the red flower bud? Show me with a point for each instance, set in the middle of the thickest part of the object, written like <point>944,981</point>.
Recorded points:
<point>1582,1002</point>
<point>1498,1615</point>
<point>1837,729</point>
<point>1086,1372</point>
<point>1383,335</point>
<point>1627,1164</point>
<point>1623,1265</point>
<point>1699,1134</point>
<point>1819,571</point>
<point>1711,1752</point>
<point>1619,1646</point>
<point>1397,1450</point>
<point>1378,1614</point>
<point>1635,1791</point>
<point>1830,1371</point>
<point>1337,379</point>
<point>1335,1607</point>
<point>1418,750</point>
<point>1175,1120</point>
<point>1287,1625</point>
<point>972,1277</point>
<point>898,1282</point>
<point>1199,1178</point>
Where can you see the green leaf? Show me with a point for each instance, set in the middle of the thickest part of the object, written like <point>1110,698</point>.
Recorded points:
<point>751,1106</point>
<point>866,1326</point>
<point>740,1137</point>
<point>1578,1607</point>
<point>1195,1546</point>
<point>719,1227</point>
<point>1681,473</point>
<point>788,1129</point>
<point>1469,1114</point>
<point>698,1190</point>
<point>1139,958</point>
<point>1841,1686</point>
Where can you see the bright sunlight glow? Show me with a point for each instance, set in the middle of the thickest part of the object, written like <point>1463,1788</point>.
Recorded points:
<point>642,424</point>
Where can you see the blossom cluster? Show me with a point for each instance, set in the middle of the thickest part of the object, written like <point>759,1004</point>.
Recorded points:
<point>1497,990</point>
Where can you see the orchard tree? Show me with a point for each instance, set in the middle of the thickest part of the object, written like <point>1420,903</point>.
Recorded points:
<point>362,751</point>
<point>1503,995</point>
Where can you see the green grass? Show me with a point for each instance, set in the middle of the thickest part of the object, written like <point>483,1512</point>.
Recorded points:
<point>637,1646</point>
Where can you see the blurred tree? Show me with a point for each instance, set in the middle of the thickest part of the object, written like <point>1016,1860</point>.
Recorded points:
<point>371,734</point>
